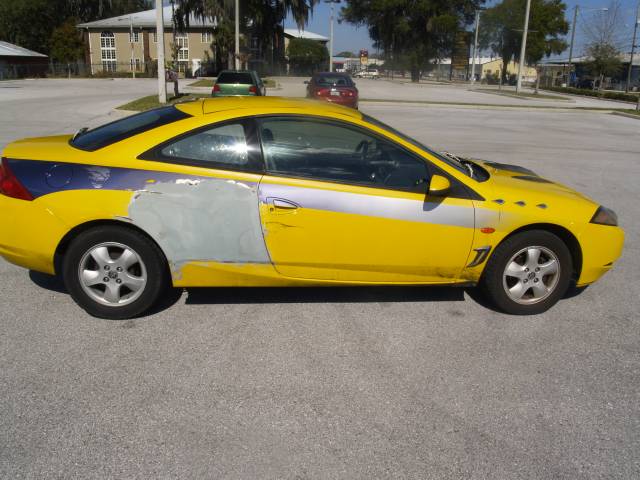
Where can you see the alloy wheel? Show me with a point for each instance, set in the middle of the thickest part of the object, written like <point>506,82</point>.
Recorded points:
<point>112,274</point>
<point>531,275</point>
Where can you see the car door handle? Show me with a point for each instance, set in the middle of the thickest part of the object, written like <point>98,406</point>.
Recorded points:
<point>282,205</point>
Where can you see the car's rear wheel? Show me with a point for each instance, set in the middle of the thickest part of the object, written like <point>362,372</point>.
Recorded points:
<point>114,272</point>
<point>528,273</point>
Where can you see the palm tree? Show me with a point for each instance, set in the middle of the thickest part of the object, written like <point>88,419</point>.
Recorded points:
<point>261,18</point>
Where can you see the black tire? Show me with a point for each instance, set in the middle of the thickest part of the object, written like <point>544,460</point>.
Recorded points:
<point>493,283</point>
<point>152,258</point>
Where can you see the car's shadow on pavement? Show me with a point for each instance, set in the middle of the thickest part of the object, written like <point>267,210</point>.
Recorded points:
<point>385,294</point>
<point>250,295</point>
<point>48,282</point>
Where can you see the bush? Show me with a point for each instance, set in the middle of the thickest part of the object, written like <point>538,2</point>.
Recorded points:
<point>307,56</point>
<point>626,97</point>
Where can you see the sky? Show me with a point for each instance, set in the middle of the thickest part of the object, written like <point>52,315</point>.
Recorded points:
<point>348,37</point>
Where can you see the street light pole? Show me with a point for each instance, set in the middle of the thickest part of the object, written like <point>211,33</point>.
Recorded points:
<point>331,40</point>
<point>237,39</point>
<point>332,2</point>
<point>523,48</point>
<point>133,69</point>
<point>633,47</point>
<point>162,83</point>
<point>475,49</point>
<point>573,38</point>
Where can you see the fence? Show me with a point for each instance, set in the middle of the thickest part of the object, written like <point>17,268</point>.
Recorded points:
<point>110,69</point>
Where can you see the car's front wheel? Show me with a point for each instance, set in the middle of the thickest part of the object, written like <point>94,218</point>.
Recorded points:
<point>528,273</point>
<point>114,272</point>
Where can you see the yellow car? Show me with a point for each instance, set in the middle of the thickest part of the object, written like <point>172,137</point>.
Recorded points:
<point>267,191</point>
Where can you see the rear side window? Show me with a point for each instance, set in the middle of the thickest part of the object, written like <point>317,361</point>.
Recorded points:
<point>235,77</point>
<point>224,145</point>
<point>127,127</point>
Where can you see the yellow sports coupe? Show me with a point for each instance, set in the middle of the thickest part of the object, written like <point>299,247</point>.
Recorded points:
<point>269,191</point>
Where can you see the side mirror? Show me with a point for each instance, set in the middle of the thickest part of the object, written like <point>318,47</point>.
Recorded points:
<point>439,186</point>
<point>306,82</point>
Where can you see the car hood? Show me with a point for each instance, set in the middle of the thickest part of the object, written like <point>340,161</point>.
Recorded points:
<point>515,185</point>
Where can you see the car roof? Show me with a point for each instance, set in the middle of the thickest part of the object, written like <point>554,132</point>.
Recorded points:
<point>337,74</point>
<point>236,71</point>
<point>276,104</point>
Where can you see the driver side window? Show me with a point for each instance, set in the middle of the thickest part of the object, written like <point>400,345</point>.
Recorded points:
<point>320,150</point>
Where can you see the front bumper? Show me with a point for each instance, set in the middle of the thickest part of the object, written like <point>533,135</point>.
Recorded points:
<point>601,247</point>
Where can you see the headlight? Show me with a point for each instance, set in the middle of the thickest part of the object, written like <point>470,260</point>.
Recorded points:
<point>605,216</point>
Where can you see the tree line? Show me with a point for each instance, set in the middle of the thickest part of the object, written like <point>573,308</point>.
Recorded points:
<point>411,34</point>
<point>48,26</point>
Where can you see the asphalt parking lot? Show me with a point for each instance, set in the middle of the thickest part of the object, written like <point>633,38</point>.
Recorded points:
<point>334,383</point>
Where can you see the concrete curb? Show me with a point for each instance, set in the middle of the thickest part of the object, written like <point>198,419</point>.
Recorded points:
<point>628,115</point>
<point>487,106</point>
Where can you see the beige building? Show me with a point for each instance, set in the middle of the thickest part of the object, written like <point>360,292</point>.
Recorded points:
<point>111,46</point>
<point>486,67</point>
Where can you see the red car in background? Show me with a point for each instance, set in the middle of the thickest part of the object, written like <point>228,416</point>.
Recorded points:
<point>333,87</point>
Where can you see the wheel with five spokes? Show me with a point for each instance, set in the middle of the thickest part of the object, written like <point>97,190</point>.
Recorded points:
<point>114,272</point>
<point>528,273</point>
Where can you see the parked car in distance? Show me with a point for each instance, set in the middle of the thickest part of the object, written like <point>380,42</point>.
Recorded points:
<point>586,83</point>
<point>259,192</point>
<point>368,73</point>
<point>333,87</point>
<point>238,82</point>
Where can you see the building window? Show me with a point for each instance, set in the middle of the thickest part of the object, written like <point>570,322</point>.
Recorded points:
<point>134,37</point>
<point>206,37</point>
<point>135,64</point>
<point>182,47</point>
<point>155,37</point>
<point>108,52</point>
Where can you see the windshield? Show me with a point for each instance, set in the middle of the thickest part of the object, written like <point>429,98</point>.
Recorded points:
<point>334,80</point>
<point>449,160</point>
<point>126,127</point>
<point>235,77</point>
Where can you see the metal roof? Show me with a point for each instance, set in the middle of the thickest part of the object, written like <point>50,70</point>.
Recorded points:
<point>294,32</point>
<point>624,58</point>
<point>146,18</point>
<point>10,50</point>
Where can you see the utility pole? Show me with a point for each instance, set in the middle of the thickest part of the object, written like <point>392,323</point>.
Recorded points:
<point>523,48</point>
<point>573,38</point>
<point>237,55</point>
<point>331,40</point>
<point>162,85</point>
<point>475,49</point>
<point>332,2</point>
<point>133,67</point>
<point>633,47</point>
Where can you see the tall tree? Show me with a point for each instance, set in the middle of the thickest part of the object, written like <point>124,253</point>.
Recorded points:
<point>603,47</point>
<point>306,56</point>
<point>30,23</point>
<point>66,42</point>
<point>418,30</point>
<point>502,30</point>
<point>604,61</point>
<point>263,18</point>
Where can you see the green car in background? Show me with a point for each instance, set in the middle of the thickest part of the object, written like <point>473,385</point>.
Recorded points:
<point>240,82</point>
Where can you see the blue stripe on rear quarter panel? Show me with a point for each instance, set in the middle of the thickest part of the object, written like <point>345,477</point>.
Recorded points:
<point>42,177</point>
